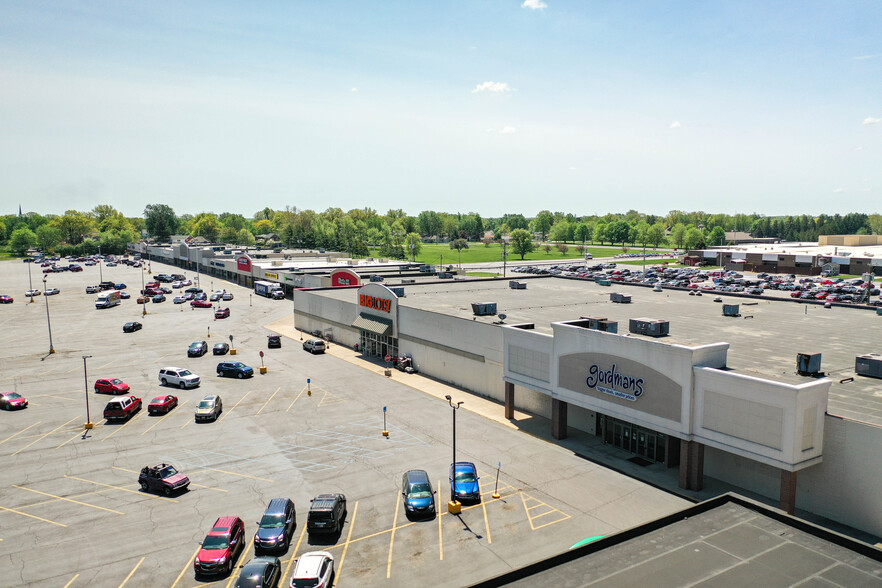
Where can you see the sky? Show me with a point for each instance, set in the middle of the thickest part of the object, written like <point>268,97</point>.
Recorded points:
<point>493,106</point>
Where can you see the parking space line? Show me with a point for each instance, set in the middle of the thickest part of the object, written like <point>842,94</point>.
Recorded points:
<point>69,440</point>
<point>24,514</point>
<point>440,537</point>
<point>57,396</point>
<point>296,398</point>
<point>268,400</point>
<point>392,535</point>
<point>44,436</point>
<point>187,566</point>
<point>118,429</point>
<point>71,581</point>
<point>191,483</point>
<point>486,520</point>
<point>135,569</point>
<point>20,432</point>
<point>42,502</point>
<point>551,510</point>
<point>240,562</point>
<point>346,545</point>
<point>180,404</point>
<point>223,416</point>
<point>234,474</point>
<point>68,499</point>
<point>294,553</point>
<point>121,488</point>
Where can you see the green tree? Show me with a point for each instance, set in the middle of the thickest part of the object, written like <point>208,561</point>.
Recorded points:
<point>287,235</point>
<point>48,237</point>
<point>522,242</point>
<point>542,223</point>
<point>561,231</point>
<point>582,233</point>
<point>678,235</point>
<point>694,238</point>
<point>244,237</point>
<point>206,225</point>
<point>263,227</point>
<point>600,232</point>
<point>563,248</point>
<point>547,249</point>
<point>75,226</point>
<point>717,236</point>
<point>21,240</point>
<point>656,234</point>
<point>160,221</point>
<point>459,245</point>
<point>430,223</point>
<point>619,232</point>
<point>227,235</point>
<point>413,244</point>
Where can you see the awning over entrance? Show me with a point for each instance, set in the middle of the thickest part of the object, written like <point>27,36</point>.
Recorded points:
<point>373,324</point>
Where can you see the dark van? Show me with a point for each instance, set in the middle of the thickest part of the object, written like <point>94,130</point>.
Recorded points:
<point>326,513</point>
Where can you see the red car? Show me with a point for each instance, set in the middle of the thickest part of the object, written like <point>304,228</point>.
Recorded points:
<point>201,304</point>
<point>221,313</point>
<point>12,400</point>
<point>122,408</point>
<point>220,548</point>
<point>6,299</point>
<point>111,386</point>
<point>162,404</point>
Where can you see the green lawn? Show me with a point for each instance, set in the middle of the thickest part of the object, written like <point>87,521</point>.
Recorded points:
<point>479,253</point>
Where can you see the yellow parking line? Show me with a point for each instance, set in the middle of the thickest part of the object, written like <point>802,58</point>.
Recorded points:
<point>42,502</point>
<point>346,545</point>
<point>236,474</point>
<point>68,499</point>
<point>268,400</point>
<point>296,398</point>
<point>392,536</point>
<point>294,553</point>
<point>135,569</point>
<point>71,581</point>
<point>239,562</point>
<point>188,566</point>
<point>20,432</point>
<point>164,417</point>
<point>24,514</point>
<point>191,483</point>
<point>121,488</point>
<point>69,440</point>
<point>223,416</point>
<point>118,429</point>
<point>44,436</point>
<point>57,396</point>
<point>440,537</point>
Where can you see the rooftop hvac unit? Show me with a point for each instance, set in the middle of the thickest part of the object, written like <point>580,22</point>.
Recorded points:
<point>408,281</point>
<point>647,326</point>
<point>593,320</point>
<point>869,364</point>
<point>731,310</point>
<point>398,291</point>
<point>515,285</point>
<point>445,275</point>
<point>608,326</point>
<point>620,297</point>
<point>376,278</point>
<point>484,308</point>
<point>808,364</point>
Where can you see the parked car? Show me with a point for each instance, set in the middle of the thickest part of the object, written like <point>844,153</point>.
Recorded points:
<point>143,299</point>
<point>119,286</point>
<point>201,304</point>
<point>124,295</point>
<point>179,300</point>
<point>122,408</point>
<point>209,409</point>
<point>162,478</point>
<point>4,299</point>
<point>221,313</point>
<point>314,568</point>
<point>234,368</point>
<point>132,327</point>
<point>32,293</point>
<point>215,296</point>
<point>52,291</point>
<point>261,572</point>
<point>466,476</point>
<point>273,341</point>
<point>174,376</point>
<point>220,348</point>
<point>12,401</point>
<point>197,349</point>
<point>419,498</point>
<point>220,548</point>
<point>158,298</point>
<point>227,296</point>
<point>326,513</point>
<point>162,404</point>
<point>111,386</point>
<point>276,527</point>
<point>314,346</point>
<point>193,290</point>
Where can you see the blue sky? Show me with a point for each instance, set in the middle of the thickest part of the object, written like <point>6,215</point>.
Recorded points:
<point>493,107</point>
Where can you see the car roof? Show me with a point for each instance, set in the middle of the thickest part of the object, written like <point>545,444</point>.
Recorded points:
<point>309,563</point>
<point>324,501</point>
<point>277,505</point>
<point>171,369</point>
<point>210,397</point>
<point>417,476</point>
<point>222,525</point>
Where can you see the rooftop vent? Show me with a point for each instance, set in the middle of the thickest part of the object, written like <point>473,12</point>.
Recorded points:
<point>648,326</point>
<point>515,285</point>
<point>869,364</point>
<point>731,310</point>
<point>484,308</point>
<point>620,297</point>
<point>808,364</point>
<point>398,291</point>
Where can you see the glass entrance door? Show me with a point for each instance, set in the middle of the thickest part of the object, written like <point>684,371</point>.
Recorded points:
<point>646,443</point>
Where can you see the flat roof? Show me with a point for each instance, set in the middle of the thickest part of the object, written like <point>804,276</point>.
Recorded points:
<point>726,541</point>
<point>802,248</point>
<point>764,341</point>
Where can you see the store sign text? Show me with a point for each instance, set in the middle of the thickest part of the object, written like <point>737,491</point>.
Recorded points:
<point>614,383</point>
<point>375,303</point>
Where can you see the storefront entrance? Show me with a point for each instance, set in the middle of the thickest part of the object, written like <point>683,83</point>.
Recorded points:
<point>374,345</point>
<point>645,443</point>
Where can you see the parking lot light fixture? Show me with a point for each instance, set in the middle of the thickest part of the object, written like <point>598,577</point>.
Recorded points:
<point>48,322</point>
<point>88,424</point>
<point>454,506</point>
<point>30,284</point>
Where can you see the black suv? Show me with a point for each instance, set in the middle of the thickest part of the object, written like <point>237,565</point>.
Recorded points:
<point>273,341</point>
<point>275,529</point>
<point>197,349</point>
<point>326,514</point>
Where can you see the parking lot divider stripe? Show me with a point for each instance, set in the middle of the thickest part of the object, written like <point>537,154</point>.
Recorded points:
<point>392,535</point>
<point>68,499</point>
<point>294,553</point>
<point>121,488</point>
<point>44,436</point>
<point>180,404</point>
<point>226,413</point>
<point>346,545</point>
<point>132,573</point>
<point>126,424</point>
<point>187,566</point>
<point>69,440</point>
<point>268,400</point>
<point>72,580</point>
<point>24,514</point>
<point>296,398</point>
<point>20,432</point>
<point>484,508</point>
<point>240,562</point>
<point>237,474</point>
<point>440,536</point>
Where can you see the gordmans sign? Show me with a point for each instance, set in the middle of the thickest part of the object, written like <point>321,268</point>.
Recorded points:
<point>614,383</point>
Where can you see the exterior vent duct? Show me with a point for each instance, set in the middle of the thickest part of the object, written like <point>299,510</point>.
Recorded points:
<point>515,285</point>
<point>731,310</point>
<point>484,308</point>
<point>620,297</point>
<point>869,364</point>
<point>808,364</point>
<point>648,326</point>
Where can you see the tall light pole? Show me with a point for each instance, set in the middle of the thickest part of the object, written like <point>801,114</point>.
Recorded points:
<point>504,255</point>
<point>48,322</point>
<point>143,300</point>
<point>454,506</point>
<point>86,380</point>
<point>30,284</point>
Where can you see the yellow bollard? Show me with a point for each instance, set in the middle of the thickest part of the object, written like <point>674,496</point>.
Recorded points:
<point>263,369</point>
<point>454,507</point>
<point>233,351</point>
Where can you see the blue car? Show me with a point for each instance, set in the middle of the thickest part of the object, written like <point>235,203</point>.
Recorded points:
<point>234,368</point>
<point>119,287</point>
<point>419,498</point>
<point>466,476</point>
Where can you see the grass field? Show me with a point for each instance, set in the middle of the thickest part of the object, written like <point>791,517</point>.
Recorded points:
<point>479,253</point>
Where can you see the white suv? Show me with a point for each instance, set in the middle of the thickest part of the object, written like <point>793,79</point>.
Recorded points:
<point>314,346</point>
<point>175,376</point>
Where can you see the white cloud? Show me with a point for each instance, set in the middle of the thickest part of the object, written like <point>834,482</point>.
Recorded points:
<point>572,168</point>
<point>858,148</point>
<point>473,48</point>
<point>488,130</point>
<point>872,121</point>
<point>839,190</point>
<point>534,5</point>
<point>507,131</point>
<point>353,90</point>
<point>493,87</point>
<point>675,124</point>
<point>872,56</point>
<point>866,189</point>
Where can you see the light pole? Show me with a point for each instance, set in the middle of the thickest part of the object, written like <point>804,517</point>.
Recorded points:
<point>143,299</point>
<point>504,255</point>
<point>30,284</point>
<point>48,322</point>
<point>86,380</point>
<point>454,506</point>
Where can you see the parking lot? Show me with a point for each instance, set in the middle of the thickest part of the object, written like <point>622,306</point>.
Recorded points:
<point>72,513</point>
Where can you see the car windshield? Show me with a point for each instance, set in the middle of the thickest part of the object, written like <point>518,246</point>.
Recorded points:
<point>195,345</point>
<point>465,476</point>
<point>272,521</point>
<point>420,491</point>
<point>206,404</point>
<point>167,472</point>
<point>215,542</point>
<point>158,399</point>
<point>13,395</point>
<point>184,373</point>
<point>116,381</point>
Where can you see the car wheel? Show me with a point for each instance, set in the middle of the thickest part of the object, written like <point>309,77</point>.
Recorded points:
<point>219,374</point>
<point>182,385</point>
<point>144,487</point>
<point>164,382</point>
<point>167,491</point>
<point>240,375</point>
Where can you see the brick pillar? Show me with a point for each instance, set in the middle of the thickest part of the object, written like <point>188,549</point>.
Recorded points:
<point>509,400</point>
<point>788,491</point>
<point>691,465</point>
<point>558,419</point>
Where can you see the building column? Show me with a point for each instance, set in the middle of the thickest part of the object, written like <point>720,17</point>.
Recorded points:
<point>558,419</point>
<point>509,400</point>
<point>691,465</point>
<point>788,491</point>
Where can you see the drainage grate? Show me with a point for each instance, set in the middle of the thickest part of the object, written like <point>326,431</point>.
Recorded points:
<point>639,461</point>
